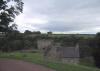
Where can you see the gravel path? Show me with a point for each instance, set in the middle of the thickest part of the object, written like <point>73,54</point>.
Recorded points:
<point>18,65</point>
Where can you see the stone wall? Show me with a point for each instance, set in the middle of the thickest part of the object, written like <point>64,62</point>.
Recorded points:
<point>70,60</point>
<point>43,43</point>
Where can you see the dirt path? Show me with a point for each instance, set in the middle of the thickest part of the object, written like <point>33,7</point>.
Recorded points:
<point>17,65</point>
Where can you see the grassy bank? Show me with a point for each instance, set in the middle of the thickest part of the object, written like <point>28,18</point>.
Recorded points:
<point>37,58</point>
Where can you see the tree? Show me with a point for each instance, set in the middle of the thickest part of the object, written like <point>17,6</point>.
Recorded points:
<point>27,32</point>
<point>9,9</point>
<point>36,32</point>
<point>49,33</point>
<point>9,12</point>
<point>13,27</point>
<point>96,49</point>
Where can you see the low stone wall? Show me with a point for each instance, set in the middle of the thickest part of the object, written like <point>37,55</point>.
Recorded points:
<point>70,60</point>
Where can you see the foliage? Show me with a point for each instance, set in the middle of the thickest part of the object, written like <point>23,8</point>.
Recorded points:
<point>27,32</point>
<point>8,10</point>
<point>96,49</point>
<point>11,42</point>
<point>87,61</point>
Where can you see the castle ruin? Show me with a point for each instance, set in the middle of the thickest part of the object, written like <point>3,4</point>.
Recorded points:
<point>59,53</point>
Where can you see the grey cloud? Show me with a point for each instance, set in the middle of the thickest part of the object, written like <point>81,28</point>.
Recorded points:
<point>65,27</point>
<point>65,15</point>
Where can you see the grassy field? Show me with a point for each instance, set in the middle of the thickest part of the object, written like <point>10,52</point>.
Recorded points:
<point>77,35</point>
<point>37,58</point>
<point>64,35</point>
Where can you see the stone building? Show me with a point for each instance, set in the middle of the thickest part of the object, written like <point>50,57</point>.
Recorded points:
<point>60,53</point>
<point>43,43</point>
<point>70,54</point>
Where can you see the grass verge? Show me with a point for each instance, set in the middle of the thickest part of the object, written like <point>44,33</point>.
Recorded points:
<point>37,58</point>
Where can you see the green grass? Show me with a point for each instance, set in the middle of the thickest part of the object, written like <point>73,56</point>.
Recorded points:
<point>77,35</point>
<point>30,51</point>
<point>37,58</point>
<point>87,62</point>
<point>64,35</point>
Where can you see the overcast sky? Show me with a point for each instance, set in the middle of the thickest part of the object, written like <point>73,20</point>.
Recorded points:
<point>60,16</point>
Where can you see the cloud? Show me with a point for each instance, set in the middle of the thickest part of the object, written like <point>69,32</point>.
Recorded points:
<point>60,16</point>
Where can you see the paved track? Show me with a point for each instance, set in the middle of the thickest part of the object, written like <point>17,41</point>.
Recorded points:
<point>18,65</point>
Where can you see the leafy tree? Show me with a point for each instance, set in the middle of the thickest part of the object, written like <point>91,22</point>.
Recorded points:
<point>49,33</point>
<point>13,27</point>
<point>27,32</point>
<point>27,44</point>
<point>36,32</point>
<point>8,10</point>
<point>13,35</point>
<point>96,49</point>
